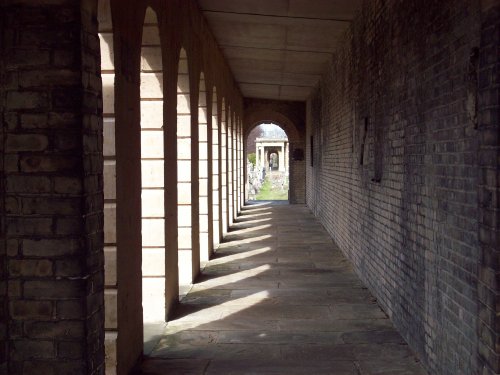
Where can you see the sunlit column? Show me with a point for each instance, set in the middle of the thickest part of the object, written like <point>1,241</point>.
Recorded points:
<point>152,165</point>
<point>215,174</point>
<point>223,171</point>
<point>230,168</point>
<point>203,172</point>
<point>184,194</point>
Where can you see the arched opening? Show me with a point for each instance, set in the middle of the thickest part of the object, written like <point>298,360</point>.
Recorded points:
<point>296,146</point>
<point>152,167</point>
<point>215,173</point>
<point>267,163</point>
<point>203,171</point>
<point>184,180</point>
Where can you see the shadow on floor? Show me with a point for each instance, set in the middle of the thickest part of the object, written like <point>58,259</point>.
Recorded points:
<point>278,297</point>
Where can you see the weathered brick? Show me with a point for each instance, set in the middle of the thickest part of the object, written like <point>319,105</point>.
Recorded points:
<point>26,142</point>
<point>45,47</point>
<point>429,234</point>
<point>70,310</point>
<point>68,142</point>
<point>12,205</point>
<point>47,38</point>
<point>11,120</point>
<point>11,163</point>
<point>67,99</point>
<point>31,310</point>
<point>16,329</point>
<point>27,268</point>
<point>46,77</point>
<point>68,185</point>
<point>12,248</point>
<point>51,206</point>
<point>29,226</point>
<point>27,57</point>
<point>73,367</point>
<point>59,289</point>
<point>70,350</point>
<point>68,268</point>
<point>45,163</point>
<point>27,100</point>
<point>31,349</point>
<point>68,226</point>
<point>39,367</point>
<point>54,330</point>
<point>47,248</point>
<point>15,289</point>
<point>65,58</point>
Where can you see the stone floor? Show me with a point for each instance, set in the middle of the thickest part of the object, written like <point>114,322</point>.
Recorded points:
<point>278,298</point>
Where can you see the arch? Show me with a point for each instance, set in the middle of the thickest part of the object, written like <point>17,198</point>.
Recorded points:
<point>294,154</point>
<point>256,118</point>
<point>271,168</point>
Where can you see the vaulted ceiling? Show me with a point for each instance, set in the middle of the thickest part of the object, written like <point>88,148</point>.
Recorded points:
<point>278,49</point>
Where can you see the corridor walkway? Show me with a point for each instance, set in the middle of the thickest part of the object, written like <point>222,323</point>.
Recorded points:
<point>278,298</point>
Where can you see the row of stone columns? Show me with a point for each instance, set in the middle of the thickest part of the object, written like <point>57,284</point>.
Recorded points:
<point>208,178</point>
<point>264,149</point>
<point>120,170</point>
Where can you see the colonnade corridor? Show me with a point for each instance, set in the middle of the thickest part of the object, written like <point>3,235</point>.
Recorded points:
<point>278,297</point>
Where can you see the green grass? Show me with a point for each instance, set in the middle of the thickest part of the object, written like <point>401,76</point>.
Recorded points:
<point>267,193</point>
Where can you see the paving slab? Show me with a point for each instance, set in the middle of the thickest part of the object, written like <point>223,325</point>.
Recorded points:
<point>278,297</point>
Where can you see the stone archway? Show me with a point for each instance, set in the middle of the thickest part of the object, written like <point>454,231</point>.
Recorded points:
<point>258,116</point>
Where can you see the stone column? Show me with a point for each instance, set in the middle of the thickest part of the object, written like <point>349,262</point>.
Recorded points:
<point>223,170</point>
<point>184,175</point>
<point>257,156</point>
<point>203,172</point>
<point>287,156</point>
<point>51,184</point>
<point>281,158</point>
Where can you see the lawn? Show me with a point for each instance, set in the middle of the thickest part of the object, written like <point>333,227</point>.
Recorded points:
<point>267,193</point>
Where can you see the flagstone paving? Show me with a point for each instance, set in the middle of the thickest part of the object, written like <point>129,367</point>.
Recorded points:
<point>278,297</point>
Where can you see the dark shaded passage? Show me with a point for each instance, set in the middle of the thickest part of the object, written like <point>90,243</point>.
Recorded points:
<point>278,297</point>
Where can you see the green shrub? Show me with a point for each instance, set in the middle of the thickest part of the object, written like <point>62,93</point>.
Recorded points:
<point>251,158</point>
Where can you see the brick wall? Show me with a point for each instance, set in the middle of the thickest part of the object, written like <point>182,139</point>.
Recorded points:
<point>52,187</point>
<point>394,134</point>
<point>488,114</point>
<point>3,252</point>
